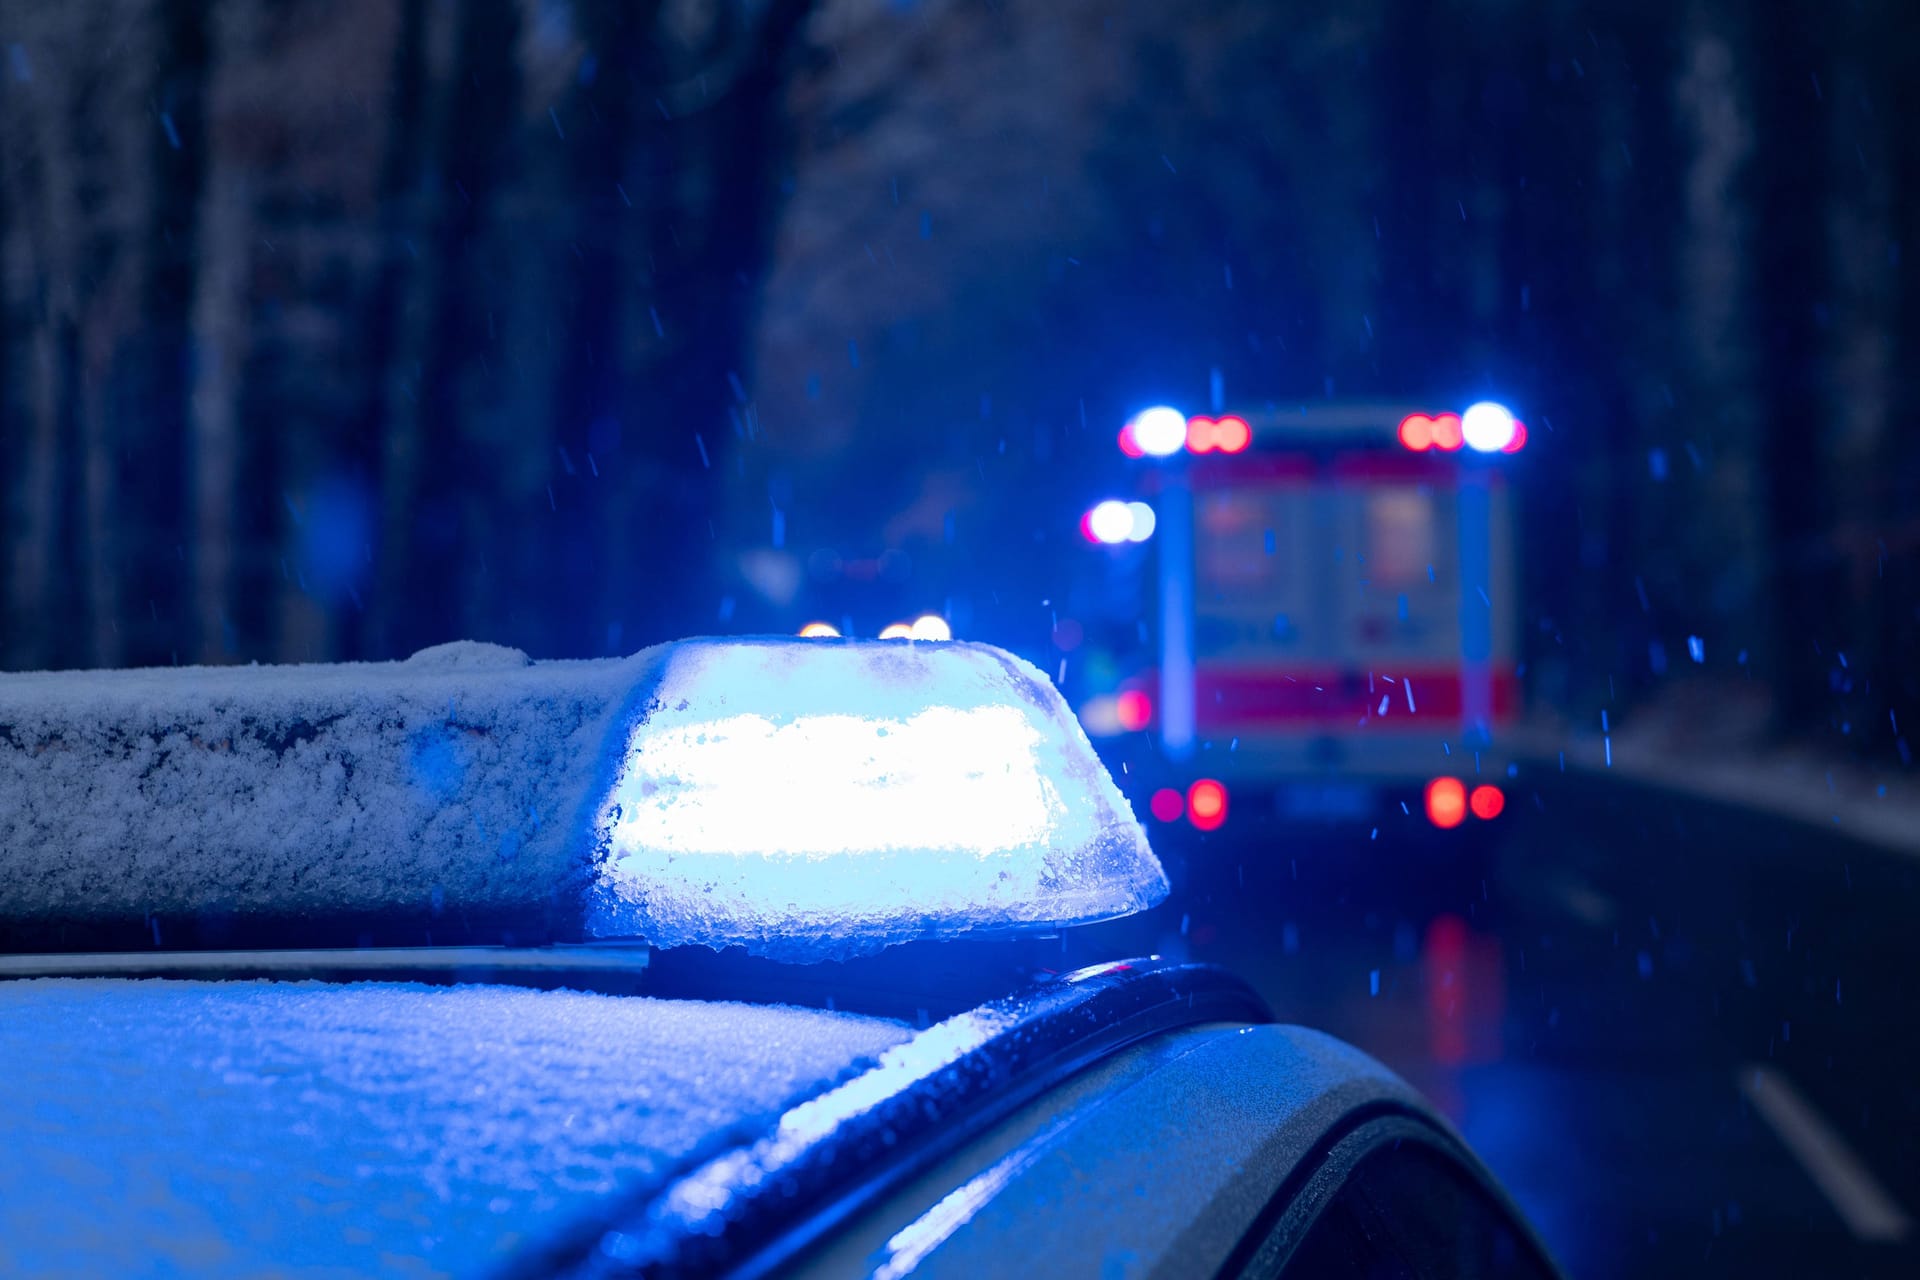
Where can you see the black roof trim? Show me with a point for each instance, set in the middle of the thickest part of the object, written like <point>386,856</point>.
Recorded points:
<point>752,1207</point>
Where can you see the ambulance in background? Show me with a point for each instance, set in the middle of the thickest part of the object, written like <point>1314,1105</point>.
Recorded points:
<point>1311,608</point>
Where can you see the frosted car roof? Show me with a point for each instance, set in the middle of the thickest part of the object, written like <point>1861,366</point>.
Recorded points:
<point>237,1128</point>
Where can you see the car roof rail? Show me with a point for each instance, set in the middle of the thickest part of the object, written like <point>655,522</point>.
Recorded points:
<point>763,1200</point>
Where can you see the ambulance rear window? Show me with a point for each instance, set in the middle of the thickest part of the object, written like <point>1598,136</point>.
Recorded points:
<point>1242,545</point>
<point>1399,533</point>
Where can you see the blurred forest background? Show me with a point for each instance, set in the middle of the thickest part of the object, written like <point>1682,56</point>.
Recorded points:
<point>332,330</point>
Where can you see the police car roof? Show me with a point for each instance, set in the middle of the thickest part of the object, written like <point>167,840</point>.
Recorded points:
<point>309,1127</point>
<point>235,1128</point>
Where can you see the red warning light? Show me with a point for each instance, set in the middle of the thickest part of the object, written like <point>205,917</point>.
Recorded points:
<point>1228,435</point>
<point>1207,804</point>
<point>1134,709</point>
<point>1416,432</point>
<point>1487,803</point>
<point>1129,445</point>
<point>1446,432</point>
<point>1519,438</point>
<point>1167,805</point>
<point>1446,803</point>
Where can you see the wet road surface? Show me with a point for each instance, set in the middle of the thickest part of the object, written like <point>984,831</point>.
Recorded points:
<point>1684,1035</point>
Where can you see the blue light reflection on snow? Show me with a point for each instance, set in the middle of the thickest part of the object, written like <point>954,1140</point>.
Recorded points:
<point>809,799</point>
<point>698,1204</point>
<point>911,1245</point>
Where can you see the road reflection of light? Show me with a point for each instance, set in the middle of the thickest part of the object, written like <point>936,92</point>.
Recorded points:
<point>1464,974</point>
<point>1522,1120</point>
<point>1505,1108</point>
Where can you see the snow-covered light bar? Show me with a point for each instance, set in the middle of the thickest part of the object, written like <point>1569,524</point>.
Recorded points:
<point>805,799</point>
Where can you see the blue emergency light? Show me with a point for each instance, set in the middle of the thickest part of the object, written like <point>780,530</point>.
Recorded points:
<point>828,799</point>
<point>1488,427</point>
<point>804,798</point>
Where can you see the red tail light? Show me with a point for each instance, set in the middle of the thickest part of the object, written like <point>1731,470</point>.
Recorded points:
<point>1487,803</point>
<point>1167,805</point>
<point>1446,432</point>
<point>1207,804</point>
<point>1446,803</point>
<point>1228,435</point>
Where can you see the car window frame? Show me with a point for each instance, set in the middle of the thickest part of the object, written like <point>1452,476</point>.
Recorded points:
<point>1267,1249</point>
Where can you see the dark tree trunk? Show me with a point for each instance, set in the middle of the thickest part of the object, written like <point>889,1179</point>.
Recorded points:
<point>436,484</point>
<point>150,406</point>
<point>402,196</point>
<point>1789,253</point>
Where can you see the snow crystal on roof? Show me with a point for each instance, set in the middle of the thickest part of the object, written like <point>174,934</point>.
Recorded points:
<point>225,1129</point>
<point>805,799</point>
<point>456,780</point>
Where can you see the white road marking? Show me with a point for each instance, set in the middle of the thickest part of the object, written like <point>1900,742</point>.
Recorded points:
<point>1868,1209</point>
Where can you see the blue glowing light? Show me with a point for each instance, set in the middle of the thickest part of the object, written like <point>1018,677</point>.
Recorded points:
<point>1113,522</point>
<point>1161,431</point>
<point>1487,427</point>
<point>810,801</point>
<point>1140,522</point>
<point>1110,522</point>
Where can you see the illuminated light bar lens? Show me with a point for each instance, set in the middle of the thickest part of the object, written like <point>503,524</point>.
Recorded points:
<point>1207,804</point>
<point>1129,445</point>
<point>1135,710</point>
<point>1519,440</point>
<point>897,631</point>
<point>1160,431</point>
<point>930,626</point>
<point>819,630</point>
<point>1168,805</point>
<point>1487,427</point>
<point>811,802</point>
<point>1446,432</point>
<point>1487,803</point>
<point>1110,522</point>
<point>1416,432</point>
<point>1143,519</point>
<point>1446,803</point>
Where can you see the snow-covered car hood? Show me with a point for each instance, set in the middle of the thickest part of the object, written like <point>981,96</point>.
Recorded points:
<point>305,1129</point>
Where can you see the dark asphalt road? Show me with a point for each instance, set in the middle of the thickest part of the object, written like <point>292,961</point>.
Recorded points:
<point>1633,1004</point>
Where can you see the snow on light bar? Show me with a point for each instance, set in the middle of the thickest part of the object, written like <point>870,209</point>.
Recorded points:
<point>803,798</point>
